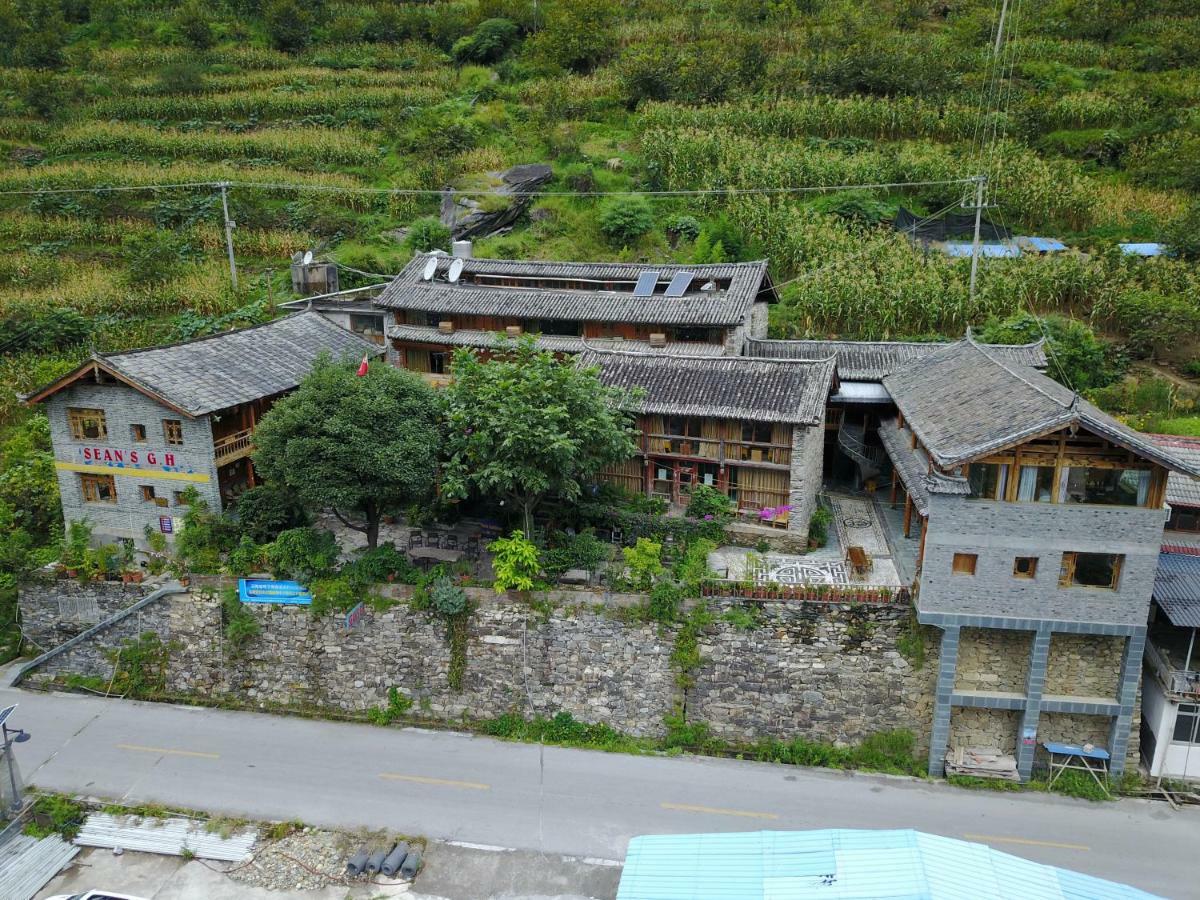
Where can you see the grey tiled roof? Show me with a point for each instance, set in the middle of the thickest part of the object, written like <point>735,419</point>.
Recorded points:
<point>910,469</point>
<point>426,334</point>
<point>964,402</point>
<point>719,307</point>
<point>727,387</point>
<point>1177,588</point>
<point>211,373</point>
<point>873,360</point>
<point>1181,490</point>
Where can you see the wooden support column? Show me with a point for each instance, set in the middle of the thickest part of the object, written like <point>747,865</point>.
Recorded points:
<point>907,513</point>
<point>893,498</point>
<point>921,549</point>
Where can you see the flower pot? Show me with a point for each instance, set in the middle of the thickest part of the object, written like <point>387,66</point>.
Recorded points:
<point>133,577</point>
<point>185,580</point>
<point>71,573</point>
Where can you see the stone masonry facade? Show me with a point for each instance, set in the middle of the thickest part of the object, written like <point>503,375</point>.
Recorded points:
<point>830,673</point>
<point>123,407</point>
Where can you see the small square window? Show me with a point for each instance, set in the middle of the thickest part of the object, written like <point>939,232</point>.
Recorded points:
<point>148,492</point>
<point>173,431</point>
<point>98,488</point>
<point>137,433</point>
<point>964,563</point>
<point>1025,567</point>
<point>177,498</point>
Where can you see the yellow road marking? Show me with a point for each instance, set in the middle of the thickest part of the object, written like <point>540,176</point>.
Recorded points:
<point>686,807</point>
<point>444,782</point>
<point>1026,841</point>
<point>167,752</point>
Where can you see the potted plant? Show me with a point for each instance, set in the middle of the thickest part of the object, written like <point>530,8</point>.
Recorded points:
<point>75,546</point>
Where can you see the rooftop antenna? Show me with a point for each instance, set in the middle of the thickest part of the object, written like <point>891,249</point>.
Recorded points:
<point>456,268</point>
<point>430,269</point>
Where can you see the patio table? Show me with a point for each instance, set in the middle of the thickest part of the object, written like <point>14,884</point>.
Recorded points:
<point>439,554</point>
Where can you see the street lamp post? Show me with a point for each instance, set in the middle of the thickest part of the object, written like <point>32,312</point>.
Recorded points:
<point>12,736</point>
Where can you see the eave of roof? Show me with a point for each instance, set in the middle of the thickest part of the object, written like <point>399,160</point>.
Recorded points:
<point>122,366</point>
<point>555,343</point>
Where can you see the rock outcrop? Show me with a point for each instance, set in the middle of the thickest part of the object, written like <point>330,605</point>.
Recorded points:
<point>478,215</point>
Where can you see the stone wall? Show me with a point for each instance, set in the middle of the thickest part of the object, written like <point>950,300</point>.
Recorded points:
<point>832,675</point>
<point>986,728</point>
<point>1084,665</point>
<point>804,480</point>
<point>54,611</point>
<point>823,672</point>
<point>992,660</point>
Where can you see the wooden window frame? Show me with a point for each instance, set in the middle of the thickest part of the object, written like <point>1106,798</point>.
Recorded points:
<point>137,432</point>
<point>147,491</point>
<point>78,415</point>
<point>1032,571</point>
<point>1066,574</point>
<point>89,486</point>
<point>173,427</point>
<point>964,564</point>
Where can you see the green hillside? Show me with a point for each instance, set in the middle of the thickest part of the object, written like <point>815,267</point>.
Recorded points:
<point>1087,123</point>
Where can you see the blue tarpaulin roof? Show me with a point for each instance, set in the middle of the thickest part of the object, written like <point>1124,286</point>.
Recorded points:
<point>964,248</point>
<point>1142,249</point>
<point>842,864</point>
<point>1043,245</point>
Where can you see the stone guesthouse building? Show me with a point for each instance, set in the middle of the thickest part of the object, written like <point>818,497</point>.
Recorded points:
<point>132,431</point>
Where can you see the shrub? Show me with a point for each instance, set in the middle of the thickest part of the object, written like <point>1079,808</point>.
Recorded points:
<point>61,815</point>
<point>205,536</point>
<point>397,707</point>
<point>384,563</point>
<point>515,563</point>
<point>427,234</point>
<point>152,257</point>
<point>246,557</point>
<point>289,24</point>
<point>192,21</point>
<point>1078,357</point>
<point>643,563</point>
<point>303,553</point>
<point>184,77</point>
<point>708,502</point>
<point>335,594</point>
<point>241,627</point>
<point>626,219</point>
<point>692,568</point>
<point>685,228</point>
<point>1182,233</point>
<point>580,551</point>
<point>447,598</point>
<point>663,605</point>
<point>264,511</point>
<point>491,39</point>
<point>818,526</point>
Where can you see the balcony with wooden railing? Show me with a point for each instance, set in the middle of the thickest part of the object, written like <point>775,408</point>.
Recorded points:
<point>718,450</point>
<point>233,446</point>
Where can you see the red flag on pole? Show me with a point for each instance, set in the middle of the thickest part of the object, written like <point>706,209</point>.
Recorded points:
<point>362,367</point>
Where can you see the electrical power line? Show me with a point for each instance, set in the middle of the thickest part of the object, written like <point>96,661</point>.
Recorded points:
<point>329,188</point>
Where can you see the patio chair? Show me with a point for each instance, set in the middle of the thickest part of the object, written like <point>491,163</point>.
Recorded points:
<point>416,539</point>
<point>433,539</point>
<point>473,547</point>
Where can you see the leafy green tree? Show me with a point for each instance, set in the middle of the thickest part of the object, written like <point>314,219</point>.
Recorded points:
<point>33,33</point>
<point>524,426</point>
<point>427,234</point>
<point>626,219</point>
<point>266,510</point>
<point>490,41</point>
<point>289,24</point>
<point>1078,358</point>
<point>577,34</point>
<point>28,482</point>
<point>358,446</point>
<point>193,21</point>
<point>1182,234</point>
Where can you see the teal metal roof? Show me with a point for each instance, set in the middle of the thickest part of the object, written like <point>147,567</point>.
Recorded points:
<point>842,864</point>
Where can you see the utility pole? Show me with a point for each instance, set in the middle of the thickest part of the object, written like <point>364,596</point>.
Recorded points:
<point>980,184</point>
<point>229,226</point>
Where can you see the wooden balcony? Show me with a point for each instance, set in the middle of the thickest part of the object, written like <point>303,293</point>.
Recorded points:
<point>233,447</point>
<point>718,450</point>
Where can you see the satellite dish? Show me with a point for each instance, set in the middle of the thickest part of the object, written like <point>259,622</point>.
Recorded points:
<point>456,268</point>
<point>307,257</point>
<point>430,269</point>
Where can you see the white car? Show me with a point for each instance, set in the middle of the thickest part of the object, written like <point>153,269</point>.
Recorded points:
<point>95,895</point>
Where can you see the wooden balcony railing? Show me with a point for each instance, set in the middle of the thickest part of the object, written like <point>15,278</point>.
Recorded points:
<point>233,446</point>
<point>719,450</point>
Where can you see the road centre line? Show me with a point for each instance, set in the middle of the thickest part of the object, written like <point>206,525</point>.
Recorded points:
<point>164,751</point>
<point>712,810</point>
<point>444,782</point>
<point>1028,842</point>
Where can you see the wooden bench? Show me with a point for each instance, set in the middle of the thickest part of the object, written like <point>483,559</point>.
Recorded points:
<point>860,562</point>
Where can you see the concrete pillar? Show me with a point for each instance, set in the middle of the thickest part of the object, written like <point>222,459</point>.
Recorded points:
<point>1127,687</point>
<point>1035,684</point>
<point>940,736</point>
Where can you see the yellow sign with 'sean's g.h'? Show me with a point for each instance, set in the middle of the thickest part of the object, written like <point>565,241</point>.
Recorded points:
<point>130,471</point>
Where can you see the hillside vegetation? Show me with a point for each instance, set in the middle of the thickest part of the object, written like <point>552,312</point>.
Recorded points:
<point>1087,124</point>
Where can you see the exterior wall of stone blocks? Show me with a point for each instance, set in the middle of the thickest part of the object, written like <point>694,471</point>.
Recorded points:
<point>123,407</point>
<point>985,728</point>
<point>990,659</point>
<point>998,533</point>
<point>1084,665</point>
<point>808,458</point>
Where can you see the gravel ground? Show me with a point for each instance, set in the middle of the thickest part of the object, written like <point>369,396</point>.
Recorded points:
<point>307,860</point>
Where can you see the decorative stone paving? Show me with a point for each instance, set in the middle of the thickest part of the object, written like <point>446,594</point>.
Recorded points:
<point>857,525</point>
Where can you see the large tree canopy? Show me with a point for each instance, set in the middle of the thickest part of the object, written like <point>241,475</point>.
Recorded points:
<point>524,426</point>
<point>361,446</point>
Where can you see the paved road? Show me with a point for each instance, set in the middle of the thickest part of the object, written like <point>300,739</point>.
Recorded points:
<point>458,787</point>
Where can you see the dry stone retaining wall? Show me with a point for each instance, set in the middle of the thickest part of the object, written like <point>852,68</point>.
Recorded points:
<point>823,672</point>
